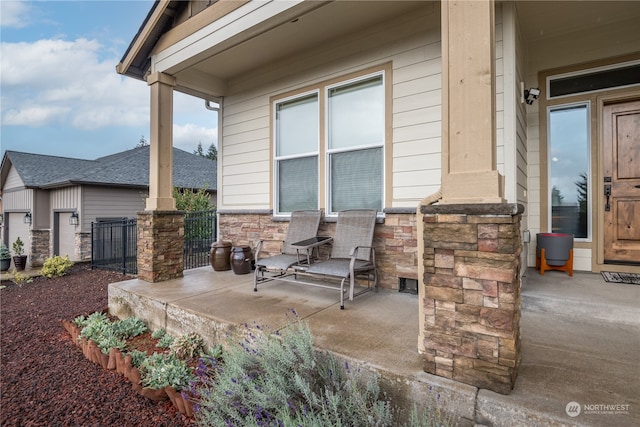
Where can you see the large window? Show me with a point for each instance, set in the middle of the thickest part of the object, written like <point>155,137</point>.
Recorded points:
<point>296,140</point>
<point>569,171</point>
<point>353,121</point>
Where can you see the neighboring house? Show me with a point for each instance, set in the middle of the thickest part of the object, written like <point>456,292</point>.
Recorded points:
<point>337,105</point>
<point>49,190</point>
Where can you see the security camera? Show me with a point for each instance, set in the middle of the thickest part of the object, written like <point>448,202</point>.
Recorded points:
<point>531,95</point>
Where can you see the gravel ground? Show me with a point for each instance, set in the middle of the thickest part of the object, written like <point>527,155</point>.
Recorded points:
<point>45,379</point>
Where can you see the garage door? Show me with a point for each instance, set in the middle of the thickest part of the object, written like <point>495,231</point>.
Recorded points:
<point>66,236</point>
<point>17,228</point>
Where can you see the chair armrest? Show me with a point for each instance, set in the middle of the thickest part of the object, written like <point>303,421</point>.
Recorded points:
<point>260,244</point>
<point>354,255</point>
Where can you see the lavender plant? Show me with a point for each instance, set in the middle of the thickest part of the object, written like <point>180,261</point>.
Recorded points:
<point>267,379</point>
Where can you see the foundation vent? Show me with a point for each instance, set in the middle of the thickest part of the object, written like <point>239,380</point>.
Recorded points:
<point>409,286</point>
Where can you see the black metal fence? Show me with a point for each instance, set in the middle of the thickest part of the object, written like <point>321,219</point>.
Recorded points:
<point>199,232</point>
<point>114,244</point>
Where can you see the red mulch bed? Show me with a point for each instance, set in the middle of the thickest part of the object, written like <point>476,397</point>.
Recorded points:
<point>45,379</point>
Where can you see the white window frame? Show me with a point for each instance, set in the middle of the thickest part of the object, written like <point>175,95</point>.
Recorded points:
<point>277,159</point>
<point>329,151</point>
<point>324,182</point>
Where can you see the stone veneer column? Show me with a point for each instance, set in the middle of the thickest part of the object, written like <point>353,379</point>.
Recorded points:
<point>160,245</point>
<point>471,304</point>
<point>40,248</point>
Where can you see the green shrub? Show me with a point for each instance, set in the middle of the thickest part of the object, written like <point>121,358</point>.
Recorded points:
<point>158,333</point>
<point>188,346</point>
<point>129,327</point>
<point>161,369</point>
<point>165,341</point>
<point>56,266</point>
<point>107,334</point>
<point>281,380</point>
<point>4,251</point>
<point>137,357</point>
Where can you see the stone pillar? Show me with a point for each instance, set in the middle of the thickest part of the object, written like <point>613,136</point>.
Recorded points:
<point>471,288</point>
<point>83,246</point>
<point>40,248</point>
<point>160,245</point>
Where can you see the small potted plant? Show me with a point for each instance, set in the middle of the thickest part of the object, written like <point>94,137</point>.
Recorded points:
<point>19,259</point>
<point>5,257</point>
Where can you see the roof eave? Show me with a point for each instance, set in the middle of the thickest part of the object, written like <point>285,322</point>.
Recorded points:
<point>135,49</point>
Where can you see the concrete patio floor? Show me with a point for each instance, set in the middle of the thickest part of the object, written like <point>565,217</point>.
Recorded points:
<point>580,340</point>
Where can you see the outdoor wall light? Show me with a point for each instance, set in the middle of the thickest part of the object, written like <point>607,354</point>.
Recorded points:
<point>1,219</point>
<point>74,219</point>
<point>27,218</point>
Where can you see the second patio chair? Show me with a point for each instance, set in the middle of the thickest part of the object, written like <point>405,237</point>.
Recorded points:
<point>352,253</point>
<point>303,225</point>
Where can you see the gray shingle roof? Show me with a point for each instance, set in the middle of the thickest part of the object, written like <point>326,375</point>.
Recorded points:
<point>127,169</point>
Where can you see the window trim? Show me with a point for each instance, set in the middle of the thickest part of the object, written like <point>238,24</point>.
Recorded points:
<point>386,71</point>
<point>585,71</point>
<point>277,159</point>
<point>329,151</point>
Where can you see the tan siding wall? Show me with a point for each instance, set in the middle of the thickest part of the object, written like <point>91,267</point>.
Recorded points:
<point>66,198</point>
<point>13,180</point>
<point>100,202</point>
<point>17,200</point>
<point>412,44</point>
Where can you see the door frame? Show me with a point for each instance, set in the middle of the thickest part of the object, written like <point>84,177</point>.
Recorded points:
<point>598,252</point>
<point>597,100</point>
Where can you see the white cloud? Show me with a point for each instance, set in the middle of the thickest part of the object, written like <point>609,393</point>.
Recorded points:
<point>14,14</point>
<point>186,137</point>
<point>68,77</point>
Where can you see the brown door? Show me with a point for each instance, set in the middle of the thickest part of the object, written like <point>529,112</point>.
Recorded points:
<point>621,123</point>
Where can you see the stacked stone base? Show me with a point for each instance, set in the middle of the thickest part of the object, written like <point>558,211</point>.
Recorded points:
<point>160,245</point>
<point>395,239</point>
<point>471,289</point>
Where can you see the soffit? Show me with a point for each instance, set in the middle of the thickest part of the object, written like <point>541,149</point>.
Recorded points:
<point>312,28</point>
<point>549,19</point>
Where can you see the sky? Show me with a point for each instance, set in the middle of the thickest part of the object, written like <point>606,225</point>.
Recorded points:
<point>59,92</point>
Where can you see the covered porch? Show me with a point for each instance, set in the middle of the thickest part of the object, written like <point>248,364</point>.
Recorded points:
<point>579,340</point>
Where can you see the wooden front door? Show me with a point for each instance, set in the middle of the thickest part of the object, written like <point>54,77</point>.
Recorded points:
<point>621,183</point>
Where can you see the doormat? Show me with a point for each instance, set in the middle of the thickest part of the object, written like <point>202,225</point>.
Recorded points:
<point>630,278</point>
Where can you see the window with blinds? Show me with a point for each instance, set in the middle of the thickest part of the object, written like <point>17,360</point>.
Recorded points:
<point>353,120</point>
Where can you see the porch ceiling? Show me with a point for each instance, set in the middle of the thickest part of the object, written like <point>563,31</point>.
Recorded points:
<point>312,24</point>
<point>548,19</point>
<point>304,28</point>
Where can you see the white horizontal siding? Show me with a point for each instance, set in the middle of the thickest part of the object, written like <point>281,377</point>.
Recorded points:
<point>411,43</point>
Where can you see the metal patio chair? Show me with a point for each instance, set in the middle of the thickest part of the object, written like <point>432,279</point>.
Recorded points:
<point>303,225</point>
<point>352,253</point>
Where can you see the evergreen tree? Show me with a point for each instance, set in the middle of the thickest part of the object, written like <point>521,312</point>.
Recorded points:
<point>198,151</point>
<point>143,142</point>
<point>212,152</point>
